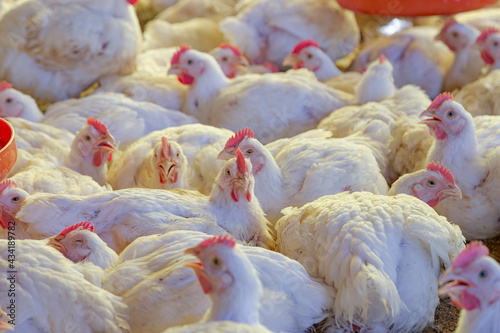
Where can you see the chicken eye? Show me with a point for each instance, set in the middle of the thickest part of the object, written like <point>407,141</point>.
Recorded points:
<point>454,34</point>
<point>309,56</point>
<point>216,262</point>
<point>224,59</point>
<point>87,138</point>
<point>483,274</point>
<point>189,62</point>
<point>450,113</point>
<point>8,100</point>
<point>15,199</point>
<point>495,43</point>
<point>228,172</point>
<point>177,155</point>
<point>431,182</point>
<point>250,151</point>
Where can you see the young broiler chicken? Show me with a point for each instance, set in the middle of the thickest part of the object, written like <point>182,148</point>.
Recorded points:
<point>266,30</point>
<point>157,278</point>
<point>127,119</point>
<point>227,277</point>
<point>79,243</point>
<point>292,172</point>
<point>275,105</point>
<point>14,103</point>
<point>121,216</point>
<point>196,166</point>
<point>480,97</point>
<point>234,63</point>
<point>469,148</point>
<point>382,254</point>
<point>51,295</point>
<point>69,45</point>
<point>417,58</point>
<point>472,283</point>
<point>467,64</point>
<point>307,54</point>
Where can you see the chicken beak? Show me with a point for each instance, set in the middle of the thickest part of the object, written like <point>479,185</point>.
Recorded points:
<point>106,144</point>
<point>290,60</point>
<point>451,192</point>
<point>175,70</point>
<point>432,120</point>
<point>225,155</point>
<point>455,287</point>
<point>57,245</point>
<point>243,61</point>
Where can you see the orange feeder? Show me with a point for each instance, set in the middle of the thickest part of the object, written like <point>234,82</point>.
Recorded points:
<point>413,7</point>
<point>8,149</point>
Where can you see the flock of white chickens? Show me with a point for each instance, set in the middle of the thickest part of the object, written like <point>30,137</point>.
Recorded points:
<point>203,188</point>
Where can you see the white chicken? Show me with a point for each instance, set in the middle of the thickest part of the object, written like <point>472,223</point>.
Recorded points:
<point>266,30</point>
<point>467,65</point>
<point>469,148</point>
<point>201,33</point>
<point>292,172</point>
<point>11,200</point>
<point>79,243</point>
<point>121,216</point>
<point>51,295</point>
<point>199,144</point>
<point>228,277</point>
<point>472,284</point>
<point>417,58</point>
<point>14,103</point>
<point>155,266</point>
<point>382,254</point>
<point>488,41</point>
<point>54,51</point>
<point>127,119</point>
<point>307,54</point>
<point>276,105</point>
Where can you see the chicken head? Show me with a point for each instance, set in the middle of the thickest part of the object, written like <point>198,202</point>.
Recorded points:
<point>446,117</point>
<point>11,200</point>
<point>186,66</point>
<point>231,59</point>
<point>96,141</point>
<point>73,242</point>
<point>457,36</point>
<point>168,161</point>
<point>473,281</point>
<point>489,43</point>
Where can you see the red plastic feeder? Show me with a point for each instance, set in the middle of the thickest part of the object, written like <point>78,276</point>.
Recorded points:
<point>8,149</point>
<point>413,7</point>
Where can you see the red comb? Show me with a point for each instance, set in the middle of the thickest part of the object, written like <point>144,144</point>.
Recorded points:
<point>182,49</point>
<point>235,140</point>
<point>235,49</point>
<point>82,225</point>
<point>472,251</point>
<point>4,85</point>
<point>447,25</point>
<point>6,184</point>
<point>442,170</point>
<point>240,161</point>
<point>382,58</point>
<point>272,67</point>
<point>227,240</point>
<point>165,147</point>
<point>440,100</point>
<point>303,44</point>
<point>485,33</point>
<point>97,124</point>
